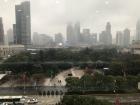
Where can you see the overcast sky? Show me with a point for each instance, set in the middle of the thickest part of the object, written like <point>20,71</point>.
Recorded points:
<point>51,16</point>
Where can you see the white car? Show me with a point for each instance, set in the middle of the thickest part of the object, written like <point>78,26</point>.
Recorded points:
<point>32,101</point>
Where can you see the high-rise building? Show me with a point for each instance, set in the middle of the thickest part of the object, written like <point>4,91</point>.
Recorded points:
<point>1,32</point>
<point>14,33</point>
<point>108,34</point>
<point>105,37</point>
<point>42,40</point>
<point>126,37</point>
<point>73,34</point>
<point>70,34</point>
<point>119,38</point>
<point>10,37</point>
<point>59,38</point>
<point>23,24</point>
<point>77,33</point>
<point>138,31</point>
<point>86,36</point>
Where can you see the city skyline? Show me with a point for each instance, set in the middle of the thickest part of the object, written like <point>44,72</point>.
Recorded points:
<point>91,14</point>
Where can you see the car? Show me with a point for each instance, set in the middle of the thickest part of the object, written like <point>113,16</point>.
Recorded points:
<point>32,101</point>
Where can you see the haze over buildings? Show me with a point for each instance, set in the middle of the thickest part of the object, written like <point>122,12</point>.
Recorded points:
<point>83,25</point>
<point>53,15</point>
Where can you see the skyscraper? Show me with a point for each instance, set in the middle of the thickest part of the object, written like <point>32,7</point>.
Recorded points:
<point>126,39</point>
<point>14,34</point>
<point>119,38</point>
<point>10,37</point>
<point>77,33</point>
<point>108,34</point>
<point>86,36</point>
<point>106,37</point>
<point>103,38</point>
<point>70,34</point>
<point>23,23</point>
<point>138,31</point>
<point>1,32</point>
<point>73,34</point>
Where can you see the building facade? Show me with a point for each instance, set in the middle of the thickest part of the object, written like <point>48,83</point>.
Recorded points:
<point>1,32</point>
<point>138,30</point>
<point>70,35</point>
<point>23,24</point>
<point>108,34</point>
<point>10,37</point>
<point>105,37</point>
<point>119,38</point>
<point>7,51</point>
<point>126,37</point>
<point>59,38</point>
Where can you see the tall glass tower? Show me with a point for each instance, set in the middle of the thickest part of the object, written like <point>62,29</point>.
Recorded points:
<point>23,24</point>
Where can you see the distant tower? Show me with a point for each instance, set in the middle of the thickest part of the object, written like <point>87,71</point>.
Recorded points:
<point>14,34</point>
<point>23,23</point>
<point>10,37</point>
<point>108,34</point>
<point>58,38</point>
<point>77,32</point>
<point>86,36</point>
<point>70,34</point>
<point>102,38</point>
<point>1,32</point>
<point>119,38</point>
<point>138,31</point>
<point>126,39</point>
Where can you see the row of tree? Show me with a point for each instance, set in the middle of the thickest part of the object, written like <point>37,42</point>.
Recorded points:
<point>61,59</point>
<point>101,83</point>
<point>82,100</point>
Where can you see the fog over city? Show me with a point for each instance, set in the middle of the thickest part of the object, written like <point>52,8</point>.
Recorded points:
<point>53,15</point>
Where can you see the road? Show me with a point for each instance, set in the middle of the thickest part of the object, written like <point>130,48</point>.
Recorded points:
<point>46,100</point>
<point>52,100</point>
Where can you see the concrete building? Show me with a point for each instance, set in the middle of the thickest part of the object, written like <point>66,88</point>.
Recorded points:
<point>126,37</point>
<point>10,37</point>
<point>1,32</point>
<point>108,34</point>
<point>42,40</point>
<point>86,36</point>
<point>59,39</point>
<point>138,30</point>
<point>14,33</point>
<point>70,35</point>
<point>7,51</point>
<point>135,47</point>
<point>23,24</point>
<point>77,33</point>
<point>73,34</point>
<point>105,37</point>
<point>119,38</point>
